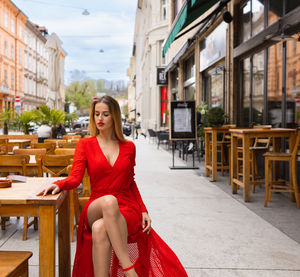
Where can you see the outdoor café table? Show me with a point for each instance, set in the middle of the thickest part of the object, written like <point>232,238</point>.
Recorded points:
<point>246,135</point>
<point>22,143</point>
<point>211,160</point>
<point>21,200</point>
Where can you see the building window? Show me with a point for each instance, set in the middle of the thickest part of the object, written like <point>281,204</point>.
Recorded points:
<point>12,26</point>
<point>6,20</point>
<point>163,11</point>
<point>12,52</point>
<point>175,8</point>
<point>12,80</point>
<point>20,31</point>
<point>5,49</point>
<point>20,56</point>
<point>20,82</point>
<point>5,78</point>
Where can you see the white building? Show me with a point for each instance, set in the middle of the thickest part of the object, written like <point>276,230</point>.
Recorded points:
<point>151,29</point>
<point>35,67</point>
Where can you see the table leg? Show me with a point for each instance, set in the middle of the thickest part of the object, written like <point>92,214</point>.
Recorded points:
<point>246,168</point>
<point>214,156</point>
<point>47,241</point>
<point>233,163</point>
<point>206,138</point>
<point>64,238</point>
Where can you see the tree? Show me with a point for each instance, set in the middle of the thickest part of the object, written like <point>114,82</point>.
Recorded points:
<point>80,94</point>
<point>22,121</point>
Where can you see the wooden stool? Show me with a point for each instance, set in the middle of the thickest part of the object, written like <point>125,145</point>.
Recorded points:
<point>279,186</point>
<point>14,263</point>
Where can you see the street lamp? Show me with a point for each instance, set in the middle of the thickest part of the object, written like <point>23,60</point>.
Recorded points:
<point>85,12</point>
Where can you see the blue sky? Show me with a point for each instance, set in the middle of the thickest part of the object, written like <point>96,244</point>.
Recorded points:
<point>110,26</point>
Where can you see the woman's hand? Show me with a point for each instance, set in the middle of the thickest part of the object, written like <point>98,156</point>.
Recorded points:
<point>146,223</point>
<point>54,188</point>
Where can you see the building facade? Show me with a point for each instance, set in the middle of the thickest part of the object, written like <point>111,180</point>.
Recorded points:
<point>148,96</point>
<point>12,26</point>
<point>240,55</point>
<point>35,66</point>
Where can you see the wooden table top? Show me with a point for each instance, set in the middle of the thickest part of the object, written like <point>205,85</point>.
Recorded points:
<point>263,130</point>
<point>25,193</point>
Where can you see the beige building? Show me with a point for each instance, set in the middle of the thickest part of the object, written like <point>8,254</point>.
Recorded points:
<point>35,66</point>
<point>146,96</point>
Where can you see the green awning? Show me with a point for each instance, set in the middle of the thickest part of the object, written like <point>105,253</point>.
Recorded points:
<point>191,10</point>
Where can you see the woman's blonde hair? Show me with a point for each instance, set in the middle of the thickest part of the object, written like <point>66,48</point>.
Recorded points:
<point>115,111</point>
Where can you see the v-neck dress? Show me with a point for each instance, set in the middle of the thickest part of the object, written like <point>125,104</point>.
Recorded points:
<point>150,254</point>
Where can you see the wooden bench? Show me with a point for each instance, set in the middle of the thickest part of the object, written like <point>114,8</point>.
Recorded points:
<point>14,263</point>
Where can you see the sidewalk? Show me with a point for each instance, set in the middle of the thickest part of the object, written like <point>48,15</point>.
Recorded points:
<point>212,232</point>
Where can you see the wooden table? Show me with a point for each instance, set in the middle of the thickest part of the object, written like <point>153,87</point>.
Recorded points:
<point>246,135</point>
<point>211,162</point>
<point>22,143</point>
<point>21,200</point>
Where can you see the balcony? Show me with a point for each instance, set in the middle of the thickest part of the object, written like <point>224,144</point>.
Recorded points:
<point>4,89</point>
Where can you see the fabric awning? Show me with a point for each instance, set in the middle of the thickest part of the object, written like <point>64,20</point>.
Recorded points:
<point>190,11</point>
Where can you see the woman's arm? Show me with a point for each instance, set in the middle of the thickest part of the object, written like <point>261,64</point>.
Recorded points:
<point>78,168</point>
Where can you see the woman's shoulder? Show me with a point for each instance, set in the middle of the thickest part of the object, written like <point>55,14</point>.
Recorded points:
<point>85,141</point>
<point>128,144</point>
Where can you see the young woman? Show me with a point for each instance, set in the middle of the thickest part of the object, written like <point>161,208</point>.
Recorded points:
<point>114,233</point>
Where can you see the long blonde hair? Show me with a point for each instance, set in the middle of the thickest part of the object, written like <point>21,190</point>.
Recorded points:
<point>115,111</point>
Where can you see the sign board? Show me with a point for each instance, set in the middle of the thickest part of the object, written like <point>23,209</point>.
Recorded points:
<point>161,77</point>
<point>183,120</point>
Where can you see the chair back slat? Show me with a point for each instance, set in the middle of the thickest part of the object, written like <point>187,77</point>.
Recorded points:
<point>14,163</point>
<point>50,147</point>
<point>56,165</point>
<point>30,151</point>
<point>64,151</point>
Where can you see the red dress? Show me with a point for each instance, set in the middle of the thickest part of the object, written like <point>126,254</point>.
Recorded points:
<point>150,254</point>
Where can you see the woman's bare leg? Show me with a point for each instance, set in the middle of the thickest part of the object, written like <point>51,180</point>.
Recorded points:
<point>101,248</point>
<point>114,224</point>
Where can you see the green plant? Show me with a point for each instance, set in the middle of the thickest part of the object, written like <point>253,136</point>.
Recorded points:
<point>215,117</point>
<point>22,121</point>
<point>6,118</point>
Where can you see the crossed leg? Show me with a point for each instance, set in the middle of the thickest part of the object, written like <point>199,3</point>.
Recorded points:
<point>109,229</point>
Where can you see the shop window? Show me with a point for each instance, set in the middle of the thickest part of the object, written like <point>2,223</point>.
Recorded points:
<point>174,84</point>
<point>257,17</point>
<point>258,88</point>
<point>164,106</point>
<point>275,11</point>
<point>291,5</point>
<point>292,86</point>
<point>189,92</point>
<point>251,18</point>
<point>245,93</point>
<point>189,68</point>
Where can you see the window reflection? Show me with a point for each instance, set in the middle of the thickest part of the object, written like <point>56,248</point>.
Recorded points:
<point>257,17</point>
<point>246,93</point>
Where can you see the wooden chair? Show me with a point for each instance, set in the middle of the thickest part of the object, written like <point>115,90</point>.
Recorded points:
<point>68,145</point>
<point>50,147</point>
<point>14,263</point>
<point>3,146</point>
<point>55,165</point>
<point>16,164</point>
<point>276,186</point>
<point>56,141</point>
<point>70,137</point>
<point>76,205</point>
<point>64,151</point>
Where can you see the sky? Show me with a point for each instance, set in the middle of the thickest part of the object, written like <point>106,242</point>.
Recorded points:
<point>108,27</point>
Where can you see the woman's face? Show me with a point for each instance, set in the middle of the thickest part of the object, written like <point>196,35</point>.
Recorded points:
<point>103,117</point>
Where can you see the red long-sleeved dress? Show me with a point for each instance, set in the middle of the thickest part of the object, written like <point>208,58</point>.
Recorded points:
<point>150,254</point>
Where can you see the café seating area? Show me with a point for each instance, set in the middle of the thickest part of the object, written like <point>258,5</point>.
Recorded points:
<point>23,155</point>
<point>244,151</point>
